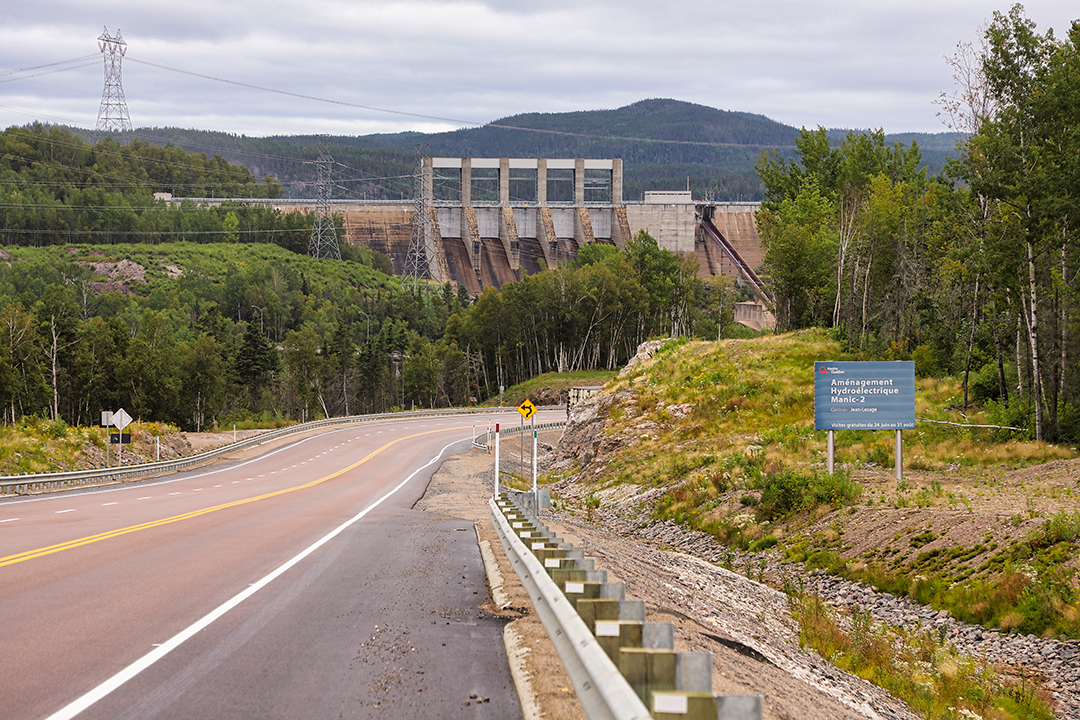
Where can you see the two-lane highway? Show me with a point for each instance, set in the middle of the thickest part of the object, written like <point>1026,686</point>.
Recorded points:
<point>298,584</point>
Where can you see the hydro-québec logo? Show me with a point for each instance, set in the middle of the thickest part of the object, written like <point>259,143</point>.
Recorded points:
<point>826,370</point>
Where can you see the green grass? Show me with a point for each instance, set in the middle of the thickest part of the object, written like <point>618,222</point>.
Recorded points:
<point>1029,587</point>
<point>39,446</point>
<point>917,666</point>
<point>532,388</point>
<point>726,431</point>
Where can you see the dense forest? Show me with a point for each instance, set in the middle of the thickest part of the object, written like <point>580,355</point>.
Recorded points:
<point>56,188</point>
<point>204,334</point>
<point>190,314</point>
<point>196,315</point>
<point>971,272</point>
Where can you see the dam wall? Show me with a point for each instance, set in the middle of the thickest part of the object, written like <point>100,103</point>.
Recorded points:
<point>491,220</point>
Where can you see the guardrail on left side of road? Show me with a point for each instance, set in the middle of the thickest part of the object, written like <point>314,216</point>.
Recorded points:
<point>34,483</point>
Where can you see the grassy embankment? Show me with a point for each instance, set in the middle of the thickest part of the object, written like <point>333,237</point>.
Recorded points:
<point>727,430</point>
<point>42,446</point>
<point>544,389</point>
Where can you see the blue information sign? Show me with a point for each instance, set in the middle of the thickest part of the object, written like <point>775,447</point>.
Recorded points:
<point>864,395</point>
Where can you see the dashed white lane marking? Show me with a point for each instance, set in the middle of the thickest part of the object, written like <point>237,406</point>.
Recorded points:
<point>236,482</point>
<point>200,489</point>
<point>75,707</point>
<point>217,486</point>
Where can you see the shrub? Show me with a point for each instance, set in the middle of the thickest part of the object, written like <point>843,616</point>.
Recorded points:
<point>788,492</point>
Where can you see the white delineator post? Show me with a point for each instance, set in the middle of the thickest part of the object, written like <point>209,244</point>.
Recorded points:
<point>496,495</point>
<point>536,496</point>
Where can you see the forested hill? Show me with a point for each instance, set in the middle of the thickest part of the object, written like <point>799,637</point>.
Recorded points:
<point>664,145</point>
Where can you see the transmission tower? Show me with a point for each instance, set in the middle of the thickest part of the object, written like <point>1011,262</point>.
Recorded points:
<point>324,240</point>
<point>113,113</point>
<point>418,261</point>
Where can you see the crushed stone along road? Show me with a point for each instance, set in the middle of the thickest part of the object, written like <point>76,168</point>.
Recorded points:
<point>1053,663</point>
<point>744,624</point>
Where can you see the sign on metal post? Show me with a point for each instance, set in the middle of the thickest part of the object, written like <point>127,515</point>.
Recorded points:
<point>527,409</point>
<point>865,396</point>
<point>496,495</point>
<point>120,419</point>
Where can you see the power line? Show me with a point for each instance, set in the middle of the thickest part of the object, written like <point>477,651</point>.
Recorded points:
<point>237,83</point>
<point>48,68</point>
<point>456,121</point>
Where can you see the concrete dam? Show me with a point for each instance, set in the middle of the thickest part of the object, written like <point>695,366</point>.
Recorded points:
<point>491,220</point>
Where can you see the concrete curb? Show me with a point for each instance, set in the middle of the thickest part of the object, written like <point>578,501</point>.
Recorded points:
<point>516,651</point>
<point>491,569</point>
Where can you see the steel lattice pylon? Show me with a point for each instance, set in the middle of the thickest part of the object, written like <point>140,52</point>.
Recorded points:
<point>324,239</point>
<point>418,261</point>
<point>113,113</point>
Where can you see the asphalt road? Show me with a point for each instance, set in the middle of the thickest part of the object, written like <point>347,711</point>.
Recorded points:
<point>299,584</point>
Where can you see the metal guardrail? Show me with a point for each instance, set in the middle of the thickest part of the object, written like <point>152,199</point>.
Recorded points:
<point>626,664</point>
<point>34,483</point>
<point>484,440</point>
<point>603,691</point>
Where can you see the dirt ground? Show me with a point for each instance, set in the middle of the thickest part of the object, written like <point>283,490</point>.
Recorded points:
<point>745,625</point>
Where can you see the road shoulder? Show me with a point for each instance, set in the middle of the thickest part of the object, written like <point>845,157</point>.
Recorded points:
<point>460,489</point>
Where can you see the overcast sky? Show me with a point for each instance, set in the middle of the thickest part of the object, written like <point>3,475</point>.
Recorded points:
<point>383,66</point>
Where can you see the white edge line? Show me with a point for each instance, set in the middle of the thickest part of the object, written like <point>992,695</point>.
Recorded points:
<point>75,707</point>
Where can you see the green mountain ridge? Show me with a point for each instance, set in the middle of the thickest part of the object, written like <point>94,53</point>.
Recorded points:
<point>665,144</point>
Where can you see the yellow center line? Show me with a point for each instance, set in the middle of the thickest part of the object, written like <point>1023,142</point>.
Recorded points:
<point>71,544</point>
